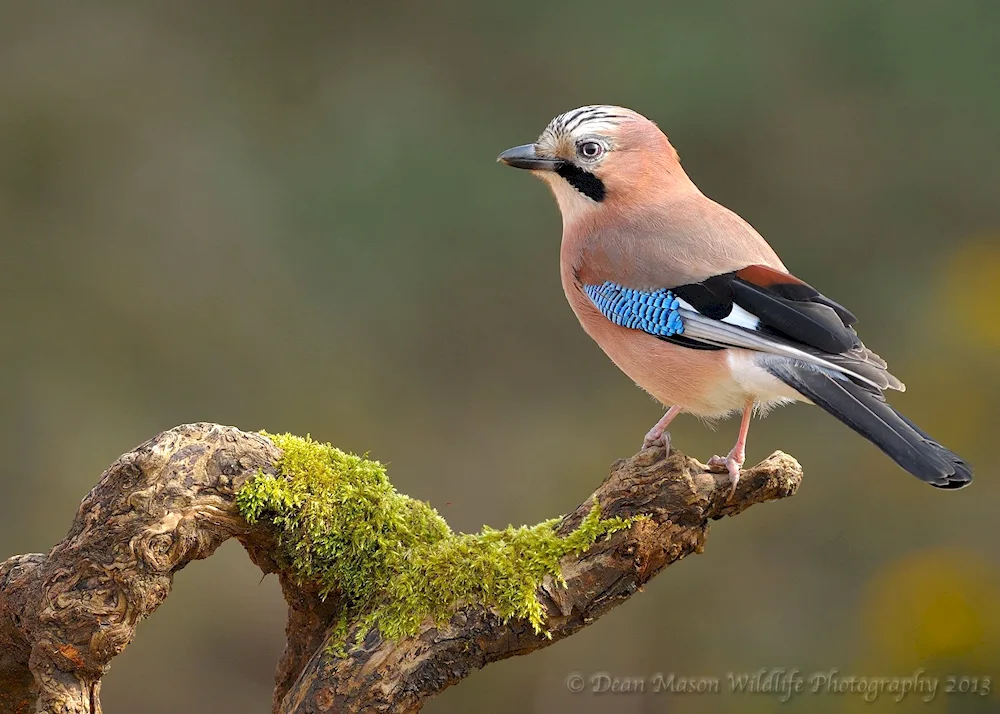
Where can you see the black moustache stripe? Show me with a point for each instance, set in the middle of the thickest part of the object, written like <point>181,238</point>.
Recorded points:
<point>583,181</point>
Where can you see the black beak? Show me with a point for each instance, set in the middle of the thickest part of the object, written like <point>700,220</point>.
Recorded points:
<point>524,157</point>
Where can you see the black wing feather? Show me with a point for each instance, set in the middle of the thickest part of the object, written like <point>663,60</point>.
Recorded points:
<point>793,310</point>
<point>712,297</point>
<point>805,321</point>
<point>865,411</point>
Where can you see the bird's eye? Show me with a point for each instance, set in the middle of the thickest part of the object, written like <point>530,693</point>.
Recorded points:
<point>590,149</point>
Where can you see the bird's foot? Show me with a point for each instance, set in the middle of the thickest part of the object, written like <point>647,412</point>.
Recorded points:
<point>656,438</point>
<point>732,463</point>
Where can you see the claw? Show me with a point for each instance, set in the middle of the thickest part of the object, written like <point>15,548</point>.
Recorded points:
<point>653,440</point>
<point>731,464</point>
<point>658,436</point>
<point>717,463</point>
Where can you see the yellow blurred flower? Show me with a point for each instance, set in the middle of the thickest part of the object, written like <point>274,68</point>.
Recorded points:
<point>970,290</point>
<point>935,606</point>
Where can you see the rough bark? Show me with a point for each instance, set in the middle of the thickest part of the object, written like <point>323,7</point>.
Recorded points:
<point>65,614</point>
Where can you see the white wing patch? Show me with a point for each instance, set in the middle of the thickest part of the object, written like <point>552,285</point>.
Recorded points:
<point>725,334</point>
<point>737,316</point>
<point>742,318</point>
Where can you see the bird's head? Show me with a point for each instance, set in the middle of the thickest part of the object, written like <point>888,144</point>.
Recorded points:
<point>599,157</point>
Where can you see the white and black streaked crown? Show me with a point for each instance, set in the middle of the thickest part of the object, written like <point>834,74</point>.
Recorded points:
<point>593,117</point>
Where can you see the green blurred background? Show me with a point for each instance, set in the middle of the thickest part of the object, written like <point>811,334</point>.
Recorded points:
<point>288,216</point>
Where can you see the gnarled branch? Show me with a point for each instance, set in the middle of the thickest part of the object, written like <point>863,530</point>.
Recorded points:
<point>64,615</point>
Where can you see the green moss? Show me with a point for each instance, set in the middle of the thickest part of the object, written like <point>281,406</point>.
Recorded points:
<point>393,559</point>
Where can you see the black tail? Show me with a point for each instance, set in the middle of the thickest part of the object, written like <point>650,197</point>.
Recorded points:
<point>864,409</point>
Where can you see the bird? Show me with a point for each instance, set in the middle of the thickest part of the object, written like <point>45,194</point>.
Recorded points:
<point>694,305</point>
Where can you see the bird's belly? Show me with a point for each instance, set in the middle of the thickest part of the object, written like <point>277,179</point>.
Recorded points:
<point>753,380</point>
<point>708,383</point>
<point>697,380</point>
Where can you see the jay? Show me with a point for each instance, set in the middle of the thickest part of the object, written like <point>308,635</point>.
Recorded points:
<point>691,303</point>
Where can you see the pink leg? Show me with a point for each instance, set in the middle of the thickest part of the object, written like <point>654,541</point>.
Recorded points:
<point>734,461</point>
<point>657,435</point>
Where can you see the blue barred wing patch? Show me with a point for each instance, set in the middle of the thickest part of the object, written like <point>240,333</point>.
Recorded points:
<point>654,312</point>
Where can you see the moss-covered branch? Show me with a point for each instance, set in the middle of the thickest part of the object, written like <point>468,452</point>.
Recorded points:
<point>393,561</point>
<point>387,606</point>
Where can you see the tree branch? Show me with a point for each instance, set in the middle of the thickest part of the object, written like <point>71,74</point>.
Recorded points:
<point>66,614</point>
